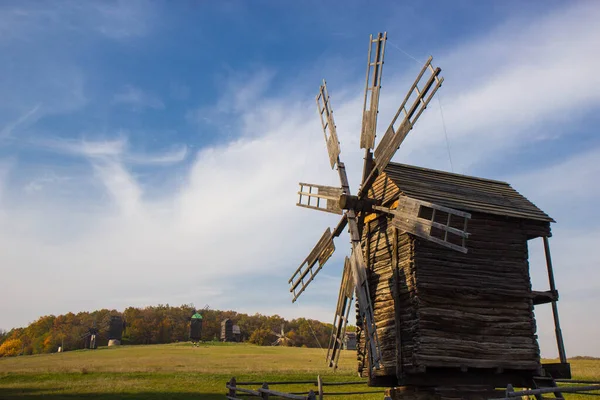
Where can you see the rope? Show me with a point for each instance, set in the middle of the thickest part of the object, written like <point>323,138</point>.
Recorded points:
<point>439,102</point>
<point>405,53</point>
<point>314,334</point>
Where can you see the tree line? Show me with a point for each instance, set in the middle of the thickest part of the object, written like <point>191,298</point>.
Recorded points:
<point>156,325</point>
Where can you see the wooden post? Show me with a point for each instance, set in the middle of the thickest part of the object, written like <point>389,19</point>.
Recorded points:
<point>559,339</point>
<point>265,395</point>
<point>396,295</point>
<point>320,386</point>
<point>232,388</point>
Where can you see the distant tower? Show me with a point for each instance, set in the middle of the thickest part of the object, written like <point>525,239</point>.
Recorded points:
<point>237,333</point>
<point>115,330</point>
<point>227,330</point>
<point>196,328</point>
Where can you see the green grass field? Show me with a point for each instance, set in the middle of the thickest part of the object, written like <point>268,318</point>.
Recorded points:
<point>180,371</point>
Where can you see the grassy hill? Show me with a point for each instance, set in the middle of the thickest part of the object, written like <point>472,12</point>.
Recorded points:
<point>179,371</point>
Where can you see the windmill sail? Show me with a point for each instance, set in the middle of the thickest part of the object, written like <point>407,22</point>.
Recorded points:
<point>320,253</point>
<point>326,114</point>
<point>340,321</point>
<point>408,216</point>
<point>319,197</point>
<point>419,218</point>
<point>372,88</point>
<point>394,135</point>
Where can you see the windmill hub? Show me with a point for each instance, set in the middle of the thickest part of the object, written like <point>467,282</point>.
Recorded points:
<point>350,202</point>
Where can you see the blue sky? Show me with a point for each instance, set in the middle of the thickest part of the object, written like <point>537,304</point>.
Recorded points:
<point>150,151</point>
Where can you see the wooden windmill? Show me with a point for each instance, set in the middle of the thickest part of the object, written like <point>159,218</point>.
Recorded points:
<point>429,309</point>
<point>116,328</point>
<point>196,325</point>
<point>282,339</point>
<point>90,337</point>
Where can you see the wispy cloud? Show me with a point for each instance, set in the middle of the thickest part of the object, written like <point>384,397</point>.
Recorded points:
<point>39,183</point>
<point>137,99</point>
<point>86,148</point>
<point>115,20</point>
<point>242,92</point>
<point>517,79</point>
<point>27,118</point>
<point>173,156</point>
<point>124,19</point>
<point>115,149</point>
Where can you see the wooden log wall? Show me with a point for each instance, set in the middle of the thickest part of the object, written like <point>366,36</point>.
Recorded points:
<point>454,310</point>
<point>476,309</point>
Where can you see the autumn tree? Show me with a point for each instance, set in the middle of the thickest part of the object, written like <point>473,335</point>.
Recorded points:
<point>11,347</point>
<point>261,337</point>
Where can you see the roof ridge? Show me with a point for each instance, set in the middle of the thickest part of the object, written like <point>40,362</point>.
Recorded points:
<point>450,173</point>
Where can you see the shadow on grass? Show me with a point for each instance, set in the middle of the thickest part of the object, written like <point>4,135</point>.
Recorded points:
<point>29,393</point>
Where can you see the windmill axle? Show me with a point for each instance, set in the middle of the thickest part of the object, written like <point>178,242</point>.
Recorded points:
<point>350,202</point>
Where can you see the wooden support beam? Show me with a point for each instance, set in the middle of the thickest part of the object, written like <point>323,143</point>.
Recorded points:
<point>397,307</point>
<point>559,339</point>
<point>544,297</point>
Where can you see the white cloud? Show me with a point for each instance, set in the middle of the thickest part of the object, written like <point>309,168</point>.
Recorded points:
<point>230,235</point>
<point>241,94</point>
<point>86,148</point>
<point>137,99</point>
<point>115,20</point>
<point>501,88</point>
<point>113,149</point>
<point>572,180</point>
<point>571,245</point>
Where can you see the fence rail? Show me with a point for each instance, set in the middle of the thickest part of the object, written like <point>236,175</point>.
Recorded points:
<point>583,387</point>
<point>235,389</point>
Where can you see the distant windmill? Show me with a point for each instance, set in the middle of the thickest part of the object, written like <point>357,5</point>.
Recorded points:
<point>116,328</point>
<point>90,337</point>
<point>282,339</point>
<point>196,326</point>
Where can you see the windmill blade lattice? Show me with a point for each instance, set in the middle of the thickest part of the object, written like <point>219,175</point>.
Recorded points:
<point>355,208</point>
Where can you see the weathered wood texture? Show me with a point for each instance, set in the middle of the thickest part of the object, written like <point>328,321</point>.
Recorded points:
<point>454,310</point>
<point>464,192</point>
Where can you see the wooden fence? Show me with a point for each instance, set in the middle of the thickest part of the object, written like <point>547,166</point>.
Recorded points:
<point>235,389</point>
<point>589,388</point>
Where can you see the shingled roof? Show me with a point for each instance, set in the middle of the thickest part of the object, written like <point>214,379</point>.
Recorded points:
<point>463,192</point>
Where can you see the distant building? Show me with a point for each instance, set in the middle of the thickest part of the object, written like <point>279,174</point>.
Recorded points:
<point>350,341</point>
<point>115,330</point>
<point>227,330</point>
<point>196,327</point>
<point>237,333</point>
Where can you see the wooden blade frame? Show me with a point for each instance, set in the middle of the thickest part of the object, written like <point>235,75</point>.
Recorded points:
<point>363,297</point>
<point>372,89</point>
<point>320,253</point>
<point>394,136</point>
<point>359,272</point>
<point>418,218</point>
<point>326,114</point>
<point>342,310</point>
<point>319,197</point>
